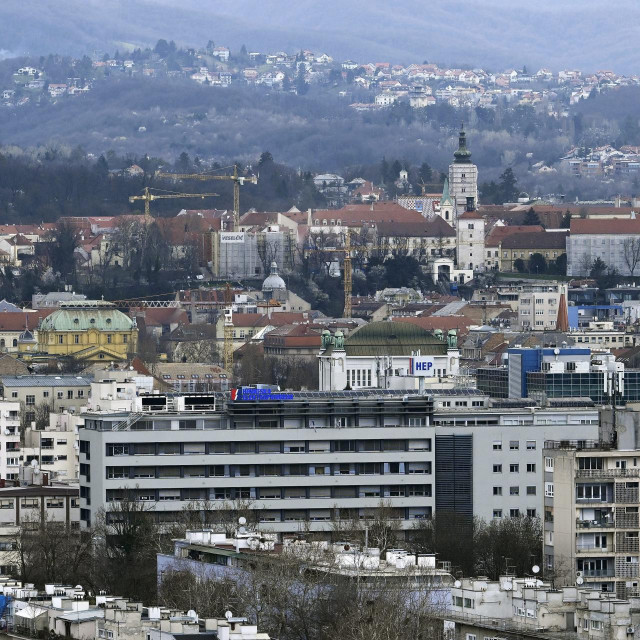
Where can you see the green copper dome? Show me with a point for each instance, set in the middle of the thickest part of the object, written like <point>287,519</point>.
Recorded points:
<point>462,155</point>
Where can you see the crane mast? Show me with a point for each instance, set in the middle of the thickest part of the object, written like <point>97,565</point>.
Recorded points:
<point>237,180</point>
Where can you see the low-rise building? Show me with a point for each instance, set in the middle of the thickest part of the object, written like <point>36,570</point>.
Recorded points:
<point>522,246</point>
<point>538,305</point>
<point>59,393</point>
<point>88,330</point>
<point>384,355</point>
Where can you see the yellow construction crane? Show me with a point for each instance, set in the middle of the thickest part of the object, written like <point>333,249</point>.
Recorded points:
<point>346,265</point>
<point>148,197</point>
<point>238,181</point>
<point>228,332</point>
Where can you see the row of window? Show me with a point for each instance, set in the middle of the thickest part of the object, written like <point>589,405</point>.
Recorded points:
<point>515,490</point>
<point>76,338</point>
<point>34,503</point>
<point>30,400</point>
<point>268,470</point>
<point>269,493</point>
<point>515,513</point>
<point>514,445</point>
<point>514,468</point>
<point>291,446</point>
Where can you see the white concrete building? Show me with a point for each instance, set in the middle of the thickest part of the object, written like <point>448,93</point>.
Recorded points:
<point>470,249</point>
<point>385,355</point>
<point>9,440</point>
<point>538,305</point>
<point>616,242</point>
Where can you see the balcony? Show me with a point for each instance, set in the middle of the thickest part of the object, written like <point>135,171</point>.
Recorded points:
<point>595,524</point>
<point>591,548</point>
<point>598,573</point>
<point>608,473</point>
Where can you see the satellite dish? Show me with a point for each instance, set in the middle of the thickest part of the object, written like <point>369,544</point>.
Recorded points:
<point>535,568</point>
<point>242,520</point>
<point>242,530</point>
<point>508,586</point>
<point>191,614</point>
<point>457,584</point>
<point>579,580</point>
<point>228,615</point>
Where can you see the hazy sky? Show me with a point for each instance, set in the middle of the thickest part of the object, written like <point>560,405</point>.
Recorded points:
<point>586,34</point>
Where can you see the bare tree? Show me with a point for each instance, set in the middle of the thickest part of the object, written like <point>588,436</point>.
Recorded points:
<point>631,253</point>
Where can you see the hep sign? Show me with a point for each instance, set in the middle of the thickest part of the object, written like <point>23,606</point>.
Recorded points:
<point>423,367</point>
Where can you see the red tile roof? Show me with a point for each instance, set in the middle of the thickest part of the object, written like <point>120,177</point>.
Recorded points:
<point>161,316</point>
<point>536,240</point>
<point>15,320</point>
<point>357,214</point>
<point>610,226</point>
<point>470,215</point>
<point>498,233</point>
<point>434,228</point>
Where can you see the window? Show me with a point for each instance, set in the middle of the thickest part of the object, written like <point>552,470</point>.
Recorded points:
<point>514,513</point>
<point>531,513</point>
<point>548,464</point>
<point>497,513</point>
<point>497,468</point>
<point>30,400</point>
<point>514,491</point>
<point>60,339</point>
<point>109,338</point>
<point>497,446</point>
<point>531,467</point>
<point>548,489</point>
<point>531,490</point>
<point>76,339</point>
<point>514,445</point>
<point>497,491</point>
<point>531,445</point>
<point>125,339</point>
<point>514,468</point>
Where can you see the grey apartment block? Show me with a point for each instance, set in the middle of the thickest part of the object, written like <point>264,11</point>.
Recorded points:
<point>302,459</point>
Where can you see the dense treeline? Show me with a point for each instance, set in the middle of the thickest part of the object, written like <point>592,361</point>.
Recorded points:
<point>316,131</point>
<point>53,182</point>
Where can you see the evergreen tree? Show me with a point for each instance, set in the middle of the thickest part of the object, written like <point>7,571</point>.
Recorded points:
<point>425,173</point>
<point>566,220</point>
<point>508,186</point>
<point>531,218</point>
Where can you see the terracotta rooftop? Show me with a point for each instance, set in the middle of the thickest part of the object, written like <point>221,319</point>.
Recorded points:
<point>610,226</point>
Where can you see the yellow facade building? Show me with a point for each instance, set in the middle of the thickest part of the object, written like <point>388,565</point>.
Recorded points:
<point>91,330</point>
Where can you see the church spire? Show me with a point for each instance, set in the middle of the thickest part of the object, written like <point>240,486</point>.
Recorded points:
<point>446,196</point>
<point>462,155</point>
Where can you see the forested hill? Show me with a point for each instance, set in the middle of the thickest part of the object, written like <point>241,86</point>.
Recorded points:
<point>493,33</point>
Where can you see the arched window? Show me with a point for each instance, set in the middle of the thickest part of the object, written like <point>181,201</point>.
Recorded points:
<point>15,342</point>
<point>2,343</point>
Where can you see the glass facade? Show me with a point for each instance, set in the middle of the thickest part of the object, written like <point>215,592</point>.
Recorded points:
<point>493,381</point>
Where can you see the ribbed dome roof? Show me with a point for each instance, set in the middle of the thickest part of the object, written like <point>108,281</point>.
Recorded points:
<point>273,281</point>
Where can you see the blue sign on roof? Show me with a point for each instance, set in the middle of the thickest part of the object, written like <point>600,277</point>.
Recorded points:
<point>250,394</point>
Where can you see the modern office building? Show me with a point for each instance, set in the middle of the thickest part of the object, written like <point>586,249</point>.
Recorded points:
<point>560,373</point>
<point>302,459</point>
